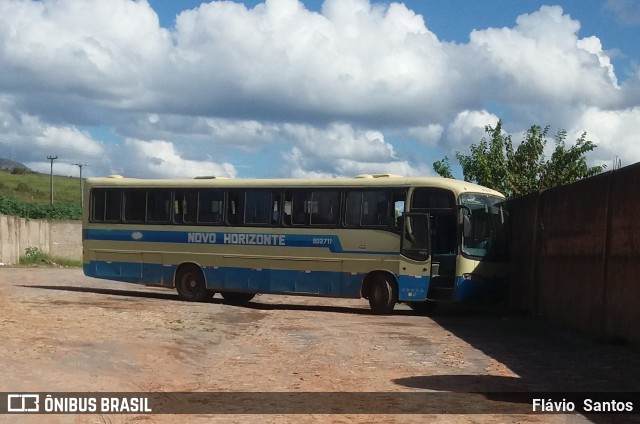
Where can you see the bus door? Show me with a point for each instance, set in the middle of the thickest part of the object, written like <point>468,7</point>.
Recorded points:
<point>415,264</point>
<point>440,205</point>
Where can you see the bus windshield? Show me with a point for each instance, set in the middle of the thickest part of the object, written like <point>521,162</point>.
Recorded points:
<point>484,226</point>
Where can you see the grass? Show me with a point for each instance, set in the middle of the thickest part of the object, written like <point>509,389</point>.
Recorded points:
<point>36,257</point>
<point>32,187</point>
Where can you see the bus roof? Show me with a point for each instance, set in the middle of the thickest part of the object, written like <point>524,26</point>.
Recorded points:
<point>376,180</point>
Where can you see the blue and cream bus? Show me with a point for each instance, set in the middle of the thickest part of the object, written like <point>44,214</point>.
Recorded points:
<point>384,238</point>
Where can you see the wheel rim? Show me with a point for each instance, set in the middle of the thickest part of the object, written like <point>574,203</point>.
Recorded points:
<point>376,294</point>
<point>189,283</point>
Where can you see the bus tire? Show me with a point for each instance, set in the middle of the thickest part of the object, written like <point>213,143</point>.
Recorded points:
<point>382,295</point>
<point>191,285</point>
<point>424,308</point>
<point>237,298</point>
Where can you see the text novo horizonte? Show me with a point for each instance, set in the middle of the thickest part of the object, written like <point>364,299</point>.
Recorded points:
<point>238,238</point>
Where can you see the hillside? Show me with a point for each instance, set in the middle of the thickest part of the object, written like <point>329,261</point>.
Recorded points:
<point>9,165</point>
<point>27,194</point>
<point>32,187</point>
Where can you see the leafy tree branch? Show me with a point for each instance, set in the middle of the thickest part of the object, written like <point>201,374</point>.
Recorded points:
<point>495,163</point>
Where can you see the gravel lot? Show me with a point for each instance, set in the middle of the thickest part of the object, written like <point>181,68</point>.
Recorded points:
<point>62,331</point>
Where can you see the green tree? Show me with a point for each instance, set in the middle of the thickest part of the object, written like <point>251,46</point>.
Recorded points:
<point>443,168</point>
<point>487,163</point>
<point>495,163</point>
<point>525,165</point>
<point>569,165</point>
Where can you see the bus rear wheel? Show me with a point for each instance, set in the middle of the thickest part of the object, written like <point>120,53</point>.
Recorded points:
<point>237,298</point>
<point>382,295</point>
<point>191,286</point>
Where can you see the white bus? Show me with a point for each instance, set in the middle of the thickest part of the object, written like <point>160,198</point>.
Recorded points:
<point>384,238</point>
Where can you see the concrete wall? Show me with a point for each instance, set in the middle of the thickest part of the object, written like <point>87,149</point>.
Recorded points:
<point>576,254</point>
<point>59,238</point>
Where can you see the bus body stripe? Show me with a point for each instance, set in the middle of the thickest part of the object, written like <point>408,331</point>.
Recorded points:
<point>274,281</point>
<point>330,242</point>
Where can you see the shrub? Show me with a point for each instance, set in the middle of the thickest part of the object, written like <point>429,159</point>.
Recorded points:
<point>10,206</point>
<point>34,256</point>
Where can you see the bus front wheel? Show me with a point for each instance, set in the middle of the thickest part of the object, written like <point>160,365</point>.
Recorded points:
<point>382,297</point>
<point>191,286</point>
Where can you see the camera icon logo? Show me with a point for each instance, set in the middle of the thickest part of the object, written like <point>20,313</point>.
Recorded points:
<point>23,403</point>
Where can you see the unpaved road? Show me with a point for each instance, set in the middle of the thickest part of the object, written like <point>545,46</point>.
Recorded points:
<point>62,331</point>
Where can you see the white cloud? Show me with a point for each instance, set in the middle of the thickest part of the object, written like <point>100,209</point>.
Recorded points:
<point>542,61</point>
<point>593,46</point>
<point>279,61</point>
<point>323,88</point>
<point>102,51</point>
<point>429,135</point>
<point>469,126</point>
<point>615,132</point>
<point>160,159</point>
<point>28,139</point>
<point>352,60</point>
<point>339,150</point>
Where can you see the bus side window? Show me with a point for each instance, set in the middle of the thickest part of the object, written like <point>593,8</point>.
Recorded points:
<point>113,205</point>
<point>275,211</point>
<point>158,206</point>
<point>210,206</point>
<point>326,207</point>
<point>135,205</point>
<point>105,205</point>
<point>234,210</point>
<point>97,205</point>
<point>398,204</point>
<point>286,211</point>
<point>259,207</point>
<point>368,208</point>
<point>185,207</point>
<point>300,207</point>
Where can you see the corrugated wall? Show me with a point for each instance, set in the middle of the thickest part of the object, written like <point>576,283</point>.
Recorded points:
<point>576,254</point>
<point>524,213</point>
<point>621,287</point>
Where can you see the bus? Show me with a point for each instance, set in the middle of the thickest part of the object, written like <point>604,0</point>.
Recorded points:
<point>385,238</point>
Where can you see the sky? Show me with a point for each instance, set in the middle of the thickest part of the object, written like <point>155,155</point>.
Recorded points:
<point>286,88</point>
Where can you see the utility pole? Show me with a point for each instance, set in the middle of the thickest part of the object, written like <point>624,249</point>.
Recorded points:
<point>52,158</point>
<point>80,165</point>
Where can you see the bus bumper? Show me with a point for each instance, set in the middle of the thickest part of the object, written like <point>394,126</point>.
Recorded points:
<point>412,288</point>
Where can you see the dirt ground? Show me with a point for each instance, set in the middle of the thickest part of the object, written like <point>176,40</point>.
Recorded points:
<point>64,332</point>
